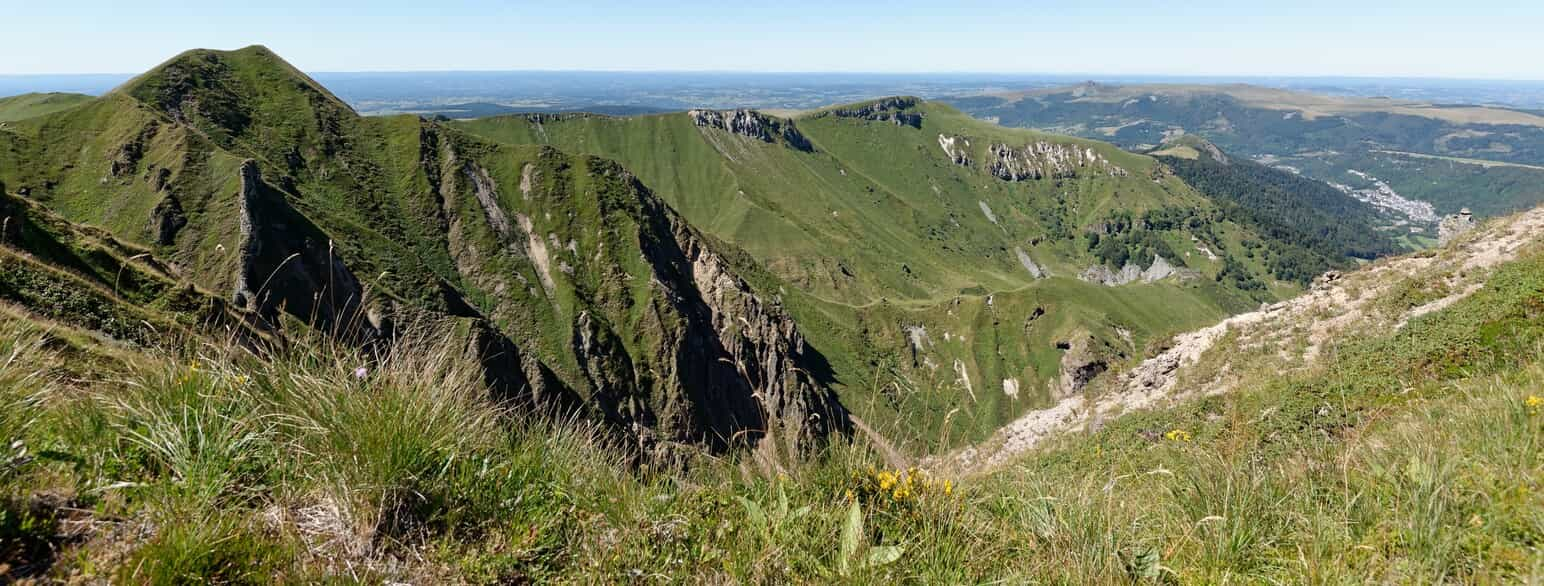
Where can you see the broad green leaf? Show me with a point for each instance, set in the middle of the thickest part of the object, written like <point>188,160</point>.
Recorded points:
<point>852,531</point>
<point>880,555</point>
<point>754,513</point>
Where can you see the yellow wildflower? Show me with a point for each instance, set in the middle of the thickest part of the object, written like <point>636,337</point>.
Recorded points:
<point>886,480</point>
<point>948,487</point>
<point>1177,435</point>
<point>1534,402</point>
<point>850,496</point>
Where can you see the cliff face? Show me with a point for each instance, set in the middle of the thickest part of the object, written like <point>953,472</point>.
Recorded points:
<point>738,363</point>
<point>1048,160</point>
<point>1131,273</point>
<point>957,148</point>
<point>895,110</point>
<point>286,263</point>
<point>753,124</point>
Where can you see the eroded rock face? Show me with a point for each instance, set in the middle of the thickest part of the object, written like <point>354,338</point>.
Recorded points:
<point>124,160</point>
<point>894,110</point>
<point>684,352</point>
<point>287,264</point>
<point>752,124</point>
<point>1454,225</point>
<point>957,148</point>
<point>1131,273</point>
<point>1084,357</point>
<point>1048,160</point>
<point>1215,153</point>
<point>166,220</point>
<point>738,363</point>
<point>1035,270</point>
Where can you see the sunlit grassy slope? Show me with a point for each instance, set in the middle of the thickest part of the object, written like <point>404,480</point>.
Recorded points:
<point>581,279</point>
<point>876,235</point>
<point>1401,455</point>
<point>25,106</point>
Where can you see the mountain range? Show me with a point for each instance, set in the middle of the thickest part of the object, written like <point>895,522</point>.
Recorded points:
<point>1414,159</point>
<point>667,273</point>
<point>249,335</point>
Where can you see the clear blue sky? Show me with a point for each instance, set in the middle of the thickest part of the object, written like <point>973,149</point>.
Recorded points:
<point>1422,38</point>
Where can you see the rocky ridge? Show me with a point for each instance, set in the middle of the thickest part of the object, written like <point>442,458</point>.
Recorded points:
<point>894,110</point>
<point>1047,160</point>
<point>1159,269</point>
<point>752,124</point>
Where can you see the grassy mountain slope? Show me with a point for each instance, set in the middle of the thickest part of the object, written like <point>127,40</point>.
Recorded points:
<point>576,285</point>
<point>1404,450</point>
<point>907,265</point>
<point>25,106</point>
<point>1325,137</point>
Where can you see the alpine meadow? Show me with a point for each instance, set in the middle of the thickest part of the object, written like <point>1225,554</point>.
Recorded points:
<point>542,303</point>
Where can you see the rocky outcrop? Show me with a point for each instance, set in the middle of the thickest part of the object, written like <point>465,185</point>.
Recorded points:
<point>1048,160</point>
<point>487,196</point>
<point>893,110</point>
<point>737,364</point>
<point>286,264</point>
<point>1084,357</point>
<point>1029,264</point>
<point>1160,269</point>
<point>957,148</point>
<point>166,220</point>
<point>126,157</point>
<point>753,124</point>
<point>1454,225</point>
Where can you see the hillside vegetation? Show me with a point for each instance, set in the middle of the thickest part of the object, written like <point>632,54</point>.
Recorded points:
<point>950,289</point>
<point>232,172</point>
<point>1407,451</point>
<point>1309,227</point>
<point>249,336</point>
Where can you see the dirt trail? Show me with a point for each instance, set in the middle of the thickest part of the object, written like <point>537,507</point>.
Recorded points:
<point>1335,304</point>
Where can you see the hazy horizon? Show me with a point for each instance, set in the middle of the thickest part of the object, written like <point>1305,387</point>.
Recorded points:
<point>1425,39</point>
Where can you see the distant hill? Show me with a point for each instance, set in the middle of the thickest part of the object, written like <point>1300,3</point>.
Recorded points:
<point>30,105</point>
<point>483,109</point>
<point>1324,137</point>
